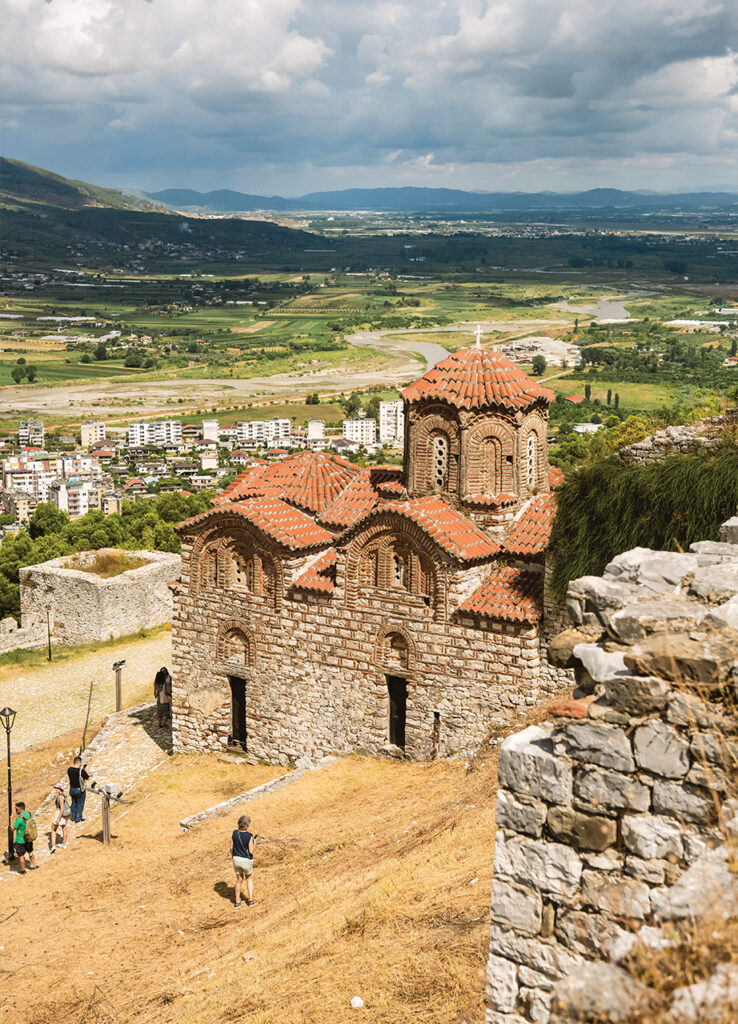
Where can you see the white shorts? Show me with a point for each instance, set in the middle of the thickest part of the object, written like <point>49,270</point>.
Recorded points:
<point>243,866</point>
<point>59,820</point>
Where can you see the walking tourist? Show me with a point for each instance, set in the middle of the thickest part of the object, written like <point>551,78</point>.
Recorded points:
<point>78,776</point>
<point>25,833</point>
<point>62,813</point>
<point>163,694</point>
<point>242,851</point>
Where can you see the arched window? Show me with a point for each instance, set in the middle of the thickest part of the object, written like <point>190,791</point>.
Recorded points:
<point>237,650</point>
<point>368,568</point>
<point>209,568</point>
<point>401,568</point>
<point>268,578</point>
<point>243,571</point>
<point>440,462</point>
<point>397,653</point>
<point>531,461</point>
<point>491,460</point>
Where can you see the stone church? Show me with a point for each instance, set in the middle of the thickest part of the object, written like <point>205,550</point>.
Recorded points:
<point>326,608</point>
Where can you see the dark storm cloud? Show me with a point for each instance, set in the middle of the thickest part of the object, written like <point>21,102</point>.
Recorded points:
<point>295,95</point>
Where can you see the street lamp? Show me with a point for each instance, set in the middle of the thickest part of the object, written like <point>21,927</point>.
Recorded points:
<point>8,717</point>
<point>118,668</point>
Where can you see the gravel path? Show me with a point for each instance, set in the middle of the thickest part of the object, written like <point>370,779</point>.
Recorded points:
<point>52,699</point>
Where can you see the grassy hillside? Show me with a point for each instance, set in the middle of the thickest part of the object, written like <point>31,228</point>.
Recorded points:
<point>23,184</point>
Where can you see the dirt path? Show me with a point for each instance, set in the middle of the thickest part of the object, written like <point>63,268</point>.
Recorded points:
<point>52,698</point>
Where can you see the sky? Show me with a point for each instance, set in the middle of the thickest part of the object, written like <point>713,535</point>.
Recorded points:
<point>290,96</point>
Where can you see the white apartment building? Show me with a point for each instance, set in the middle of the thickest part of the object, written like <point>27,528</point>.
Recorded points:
<point>391,421</point>
<point>34,476</point>
<point>210,430</point>
<point>158,433</point>
<point>91,431</point>
<point>262,432</point>
<point>31,434</point>
<point>316,430</point>
<point>86,466</point>
<point>76,497</point>
<point>360,431</point>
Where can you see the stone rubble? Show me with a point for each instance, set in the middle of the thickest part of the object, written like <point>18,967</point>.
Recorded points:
<point>610,820</point>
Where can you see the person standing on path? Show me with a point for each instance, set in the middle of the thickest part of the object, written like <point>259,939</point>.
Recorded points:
<point>242,852</point>
<point>23,844</point>
<point>62,813</point>
<point>163,694</point>
<point>78,776</point>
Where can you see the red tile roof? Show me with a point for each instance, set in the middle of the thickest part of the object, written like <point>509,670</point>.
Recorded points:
<point>512,595</point>
<point>310,480</point>
<point>444,524</point>
<point>555,476</point>
<point>287,525</point>
<point>489,500</point>
<point>531,533</point>
<point>320,577</point>
<point>362,495</point>
<point>576,399</point>
<point>476,378</point>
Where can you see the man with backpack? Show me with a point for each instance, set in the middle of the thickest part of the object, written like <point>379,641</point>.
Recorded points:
<point>62,814</point>
<point>78,776</point>
<point>25,833</point>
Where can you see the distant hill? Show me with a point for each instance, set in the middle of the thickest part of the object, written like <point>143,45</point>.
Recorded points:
<point>22,184</point>
<point>440,200</point>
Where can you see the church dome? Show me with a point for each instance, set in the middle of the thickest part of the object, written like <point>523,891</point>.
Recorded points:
<point>478,378</point>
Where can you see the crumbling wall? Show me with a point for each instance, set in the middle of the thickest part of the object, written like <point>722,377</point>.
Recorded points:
<point>703,435</point>
<point>612,815</point>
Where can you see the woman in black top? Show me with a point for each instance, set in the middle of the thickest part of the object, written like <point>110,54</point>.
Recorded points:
<point>242,852</point>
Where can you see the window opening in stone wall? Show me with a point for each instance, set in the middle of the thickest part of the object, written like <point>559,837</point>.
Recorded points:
<point>531,461</point>
<point>368,569</point>
<point>268,579</point>
<point>397,689</point>
<point>243,572</point>
<point>440,461</point>
<point>400,570</point>
<point>238,713</point>
<point>492,465</point>
<point>425,581</point>
<point>237,648</point>
<point>398,649</point>
<point>436,734</point>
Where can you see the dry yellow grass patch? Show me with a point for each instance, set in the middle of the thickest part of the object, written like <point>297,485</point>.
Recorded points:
<point>253,328</point>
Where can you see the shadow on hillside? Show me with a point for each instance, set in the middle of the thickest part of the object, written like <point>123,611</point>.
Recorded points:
<point>225,890</point>
<point>146,716</point>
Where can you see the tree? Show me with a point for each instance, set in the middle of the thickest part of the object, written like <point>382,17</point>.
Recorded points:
<point>18,373</point>
<point>31,373</point>
<point>617,400</point>
<point>609,396</point>
<point>21,361</point>
<point>734,347</point>
<point>588,391</point>
<point>101,351</point>
<point>86,358</point>
<point>539,365</point>
<point>133,358</point>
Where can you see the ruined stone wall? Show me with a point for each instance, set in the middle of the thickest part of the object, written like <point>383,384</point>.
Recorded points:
<point>610,816</point>
<point>703,435</point>
<point>85,608</point>
<point>316,673</point>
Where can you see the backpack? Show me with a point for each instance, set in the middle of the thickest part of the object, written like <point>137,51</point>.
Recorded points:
<point>31,832</point>
<point>67,812</point>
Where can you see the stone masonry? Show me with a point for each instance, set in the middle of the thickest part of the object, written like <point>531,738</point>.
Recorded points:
<point>86,608</point>
<point>703,435</point>
<point>611,816</point>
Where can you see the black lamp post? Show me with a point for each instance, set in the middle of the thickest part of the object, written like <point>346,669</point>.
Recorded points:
<point>8,718</point>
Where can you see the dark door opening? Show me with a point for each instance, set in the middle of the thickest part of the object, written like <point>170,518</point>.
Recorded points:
<point>238,712</point>
<point>397,687</point>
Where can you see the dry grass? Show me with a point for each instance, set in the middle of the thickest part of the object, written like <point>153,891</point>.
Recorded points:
<point>107,564</point>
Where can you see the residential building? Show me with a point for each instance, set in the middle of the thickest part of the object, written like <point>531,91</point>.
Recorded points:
<point>391,421</point>
<point>112,502</point>
<point>91,432</point>
<point>76,497</point>
<point>210,430</point>
<point>361,431</point>
<point>316,430</point>
<point>209,460</point>
<point>16,503</point>
<point>157,433</point>
<point>31,434</point>
<point>257,433</point>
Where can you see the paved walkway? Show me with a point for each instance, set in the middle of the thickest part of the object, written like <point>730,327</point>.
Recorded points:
<point>51,699</point>
<point>128,747</point>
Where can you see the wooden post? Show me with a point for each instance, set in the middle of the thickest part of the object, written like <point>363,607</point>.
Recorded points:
<point>105,816</point>
<point>118,667</point>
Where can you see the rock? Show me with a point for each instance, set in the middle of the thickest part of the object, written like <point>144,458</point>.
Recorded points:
<point>685,802</point>
<point>660,571</point>
<point>708,887</point>
<point>502,983</point>
<point>231,759</point>
<point>592,593</point>
<point>589,934</point>
<point>584,831</point>
<point>357,1002</point>
<point>534,979</point>
<point>527,766</point>
<point>650,836</point>
<point>648,937</point>
<point>659,748</point>
<point>601,711</point>
<point>608,860</point>
<point>682,658</point>
<point>714,747</point>
<point>713,552</point>
<point>726,613</point>
<point>538,1004</point>
<point>651,871</point>
<point>599,663</point>
<point>687,709</point>
<point>641,694</point>
<point>604,745</point>
<point>571,708</point>
<point>708,777</point>
<point>549,867</point>
<point>635,621</point>
<point>618,897</point>
<point>601,992</point>
<point>520,814</point>
<point>546,958</point>
<point>710,1000</point>
<point>561,647</point>
<point>516,907</point>
<point>729,531</point>
<point>715,583</point>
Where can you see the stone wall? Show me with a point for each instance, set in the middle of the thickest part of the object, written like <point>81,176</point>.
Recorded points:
<point>86,608</point>
<point>610,816</point>
<point>704,435</point>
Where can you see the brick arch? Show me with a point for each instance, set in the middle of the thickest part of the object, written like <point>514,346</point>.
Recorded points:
<point>231,631</point>
<point>234,534</point>
<point>491,438</point>
<point>431,423</point>
<point>533,426</point>
<point>383,535</point>
<point>386,646</point>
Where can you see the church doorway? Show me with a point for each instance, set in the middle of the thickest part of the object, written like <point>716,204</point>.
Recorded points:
<point>238,712</point>
<point>397,687</point>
